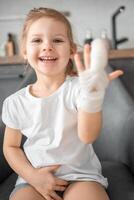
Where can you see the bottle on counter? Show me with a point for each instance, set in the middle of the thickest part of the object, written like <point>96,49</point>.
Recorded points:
<point>105,37</point>
<point>10,45</point>
<point>89,37</point>
<point>2,49</point>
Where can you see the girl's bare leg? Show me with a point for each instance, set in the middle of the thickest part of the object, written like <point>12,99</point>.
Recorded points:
<point>85,191</point>
<point>26,193</point>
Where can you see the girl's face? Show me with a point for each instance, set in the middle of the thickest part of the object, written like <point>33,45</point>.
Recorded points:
<point>47,47</point>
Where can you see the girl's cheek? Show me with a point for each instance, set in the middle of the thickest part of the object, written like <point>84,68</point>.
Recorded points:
<point>30,50</point>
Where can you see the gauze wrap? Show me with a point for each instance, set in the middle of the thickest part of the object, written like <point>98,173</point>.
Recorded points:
<point>93,81</point>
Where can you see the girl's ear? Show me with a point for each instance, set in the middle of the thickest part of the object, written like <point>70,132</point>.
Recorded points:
<point>71,56</point>
<point>73,51</point>
<point>25,55</point>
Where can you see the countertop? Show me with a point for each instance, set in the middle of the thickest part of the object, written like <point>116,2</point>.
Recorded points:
<point>113,54</point>
<point>122,53</point>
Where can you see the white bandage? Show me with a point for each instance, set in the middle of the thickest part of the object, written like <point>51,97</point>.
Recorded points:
<point>92,90</point>
<point>91,103</point>
<point>91,81</point>
<point>94,80</point>
<point>99,55</point>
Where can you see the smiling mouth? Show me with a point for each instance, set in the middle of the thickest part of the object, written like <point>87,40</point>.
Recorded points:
<point>47,59</point>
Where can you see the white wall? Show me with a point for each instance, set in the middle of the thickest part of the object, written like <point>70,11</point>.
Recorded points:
<point>85,14</point>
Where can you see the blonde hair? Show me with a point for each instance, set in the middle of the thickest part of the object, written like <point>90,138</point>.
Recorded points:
<point>41,12</point>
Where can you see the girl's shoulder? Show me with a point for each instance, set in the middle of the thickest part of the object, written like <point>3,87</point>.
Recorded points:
<point>16,95</point>
<point>72,85</point>
<point>11,109</point>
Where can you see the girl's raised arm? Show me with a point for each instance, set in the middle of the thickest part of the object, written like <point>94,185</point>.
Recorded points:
<point>93,82</point>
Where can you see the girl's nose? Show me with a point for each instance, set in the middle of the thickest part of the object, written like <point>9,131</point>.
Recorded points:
<point>47,46</point>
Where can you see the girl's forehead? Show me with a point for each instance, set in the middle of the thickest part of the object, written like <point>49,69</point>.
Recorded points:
<point>48,24</point>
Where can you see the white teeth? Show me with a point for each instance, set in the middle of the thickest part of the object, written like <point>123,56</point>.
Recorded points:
<point>43,58</point>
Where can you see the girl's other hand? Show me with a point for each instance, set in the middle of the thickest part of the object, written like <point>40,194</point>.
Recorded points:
<point>47,184</point>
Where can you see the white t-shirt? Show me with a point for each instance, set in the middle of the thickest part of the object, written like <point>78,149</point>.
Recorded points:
<point>50,125</point>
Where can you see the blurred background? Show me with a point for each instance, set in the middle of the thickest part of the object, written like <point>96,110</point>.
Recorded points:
<point>92,16</point>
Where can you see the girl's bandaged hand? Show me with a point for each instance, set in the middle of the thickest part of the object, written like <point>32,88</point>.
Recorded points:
<point>92,76</point>
<point>91,81</point>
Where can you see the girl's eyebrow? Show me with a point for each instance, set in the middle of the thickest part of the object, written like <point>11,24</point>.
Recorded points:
<point>60,35</point>
<point>37,34</point>
<point>40,35</point>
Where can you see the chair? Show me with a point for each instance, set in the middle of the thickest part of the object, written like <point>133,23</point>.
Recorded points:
<point>114,146</point>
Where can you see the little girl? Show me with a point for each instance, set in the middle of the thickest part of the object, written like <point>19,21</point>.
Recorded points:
<point>59,114</point>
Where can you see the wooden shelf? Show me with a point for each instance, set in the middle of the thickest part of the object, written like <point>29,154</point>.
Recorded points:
<point>114,54</point>
<point>122,53</point>
<point>13,60</point>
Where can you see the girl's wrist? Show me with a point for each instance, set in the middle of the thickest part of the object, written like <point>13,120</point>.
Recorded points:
<point>31,175</point>
<point>91,102</point>
<point>92,90</point>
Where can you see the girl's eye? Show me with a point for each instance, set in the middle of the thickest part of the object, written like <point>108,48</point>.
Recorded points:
<point>58,40</point>
<point>36,40</point>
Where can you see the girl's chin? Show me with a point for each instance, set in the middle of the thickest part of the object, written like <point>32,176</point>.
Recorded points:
<point>47,66</point>
<point>46,72</point>
<point>49,72</point>
<point>50,67</point>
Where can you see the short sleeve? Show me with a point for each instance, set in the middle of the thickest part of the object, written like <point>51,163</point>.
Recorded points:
<point>9,113</point>
<point>75,93</point>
